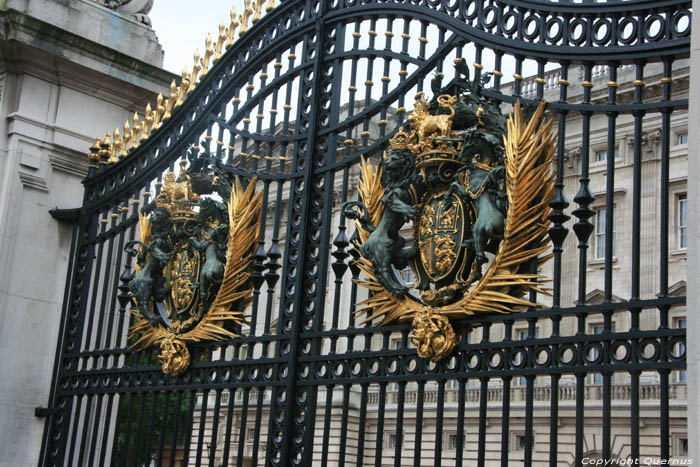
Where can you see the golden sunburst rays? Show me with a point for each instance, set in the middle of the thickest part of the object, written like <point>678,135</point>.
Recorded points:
<point>529,148</point>
<point>244,212</point>
<point>236,291</point>
<point>371,192</point>
<point>144,234</point>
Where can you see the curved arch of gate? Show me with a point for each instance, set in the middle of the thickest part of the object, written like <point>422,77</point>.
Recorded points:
<point>654,31</point>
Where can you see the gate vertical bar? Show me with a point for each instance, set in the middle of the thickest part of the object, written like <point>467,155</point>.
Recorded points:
<point>293,407</point>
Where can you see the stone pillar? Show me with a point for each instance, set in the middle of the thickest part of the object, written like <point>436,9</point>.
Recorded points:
<point>693,340</point>
<point>69,72</point>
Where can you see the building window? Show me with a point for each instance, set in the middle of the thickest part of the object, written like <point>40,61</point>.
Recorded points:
<point>600,215</point>
<point>451,440</point>
<point>681,138</point>
<point>519,441</point>
<point>682,224</point>
<point>598,377</point>
<point>602,155</point>
<point>392,440</point>
<point>682,447</point>
<point>250,437</point>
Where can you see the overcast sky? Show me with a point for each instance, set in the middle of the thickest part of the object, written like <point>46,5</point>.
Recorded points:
<point>183,25</point>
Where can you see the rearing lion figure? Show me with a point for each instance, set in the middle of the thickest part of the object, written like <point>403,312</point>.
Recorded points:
<point>384,246</point>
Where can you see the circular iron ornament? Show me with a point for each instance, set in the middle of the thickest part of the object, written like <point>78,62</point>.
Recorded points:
<point>518,358</point>
<point>627,29</point>
<point>606,25</point>
<point>537,356</point>
<point>654,22</point>
<point>577,31</point>
<point>495,359</point>
<point>593,352</point>
<point>679,17</point>
<point>473,360</point>
<point>621,351</point>
<point>451,363</point>
<point>676,348</point>
<point>509,22</point>
<point>490,15</point>
<point>554,28</point>
<point>531,27</point>
<point>469,10</point>
<point>649,344</point>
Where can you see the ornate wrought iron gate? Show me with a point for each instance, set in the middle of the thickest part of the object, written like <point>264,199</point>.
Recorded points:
<point>296,101</point>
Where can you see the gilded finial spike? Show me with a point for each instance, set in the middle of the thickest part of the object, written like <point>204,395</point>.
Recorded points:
<point>232,29</point>
<point>128,136</point>
<point>270,6</point>
<point>182,89</point>
<point>96,145</point>
<point>146,125</point>
<point>220,41</point>
<point>94,154</point>
<point>137,131</point>
<point>195,72</point>
<point>106,147</point>
<point>244,18</point>
<point>169,104</point>
<point>118,146</point>
<point>258,10</point>
<point>208,53</point>
<point>115,147</point>
<point>158,112</point>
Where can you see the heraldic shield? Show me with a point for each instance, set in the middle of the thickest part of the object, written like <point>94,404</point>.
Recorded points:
<point>193,257</point>
<point>442,230</point>
<point>477,187</point>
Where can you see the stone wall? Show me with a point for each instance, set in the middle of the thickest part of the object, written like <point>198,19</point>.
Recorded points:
<point>69,71</point>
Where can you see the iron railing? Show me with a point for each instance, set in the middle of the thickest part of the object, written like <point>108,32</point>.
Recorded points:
<point>297,101</point>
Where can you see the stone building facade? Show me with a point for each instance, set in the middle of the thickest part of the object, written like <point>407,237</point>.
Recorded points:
<point>68,70</point>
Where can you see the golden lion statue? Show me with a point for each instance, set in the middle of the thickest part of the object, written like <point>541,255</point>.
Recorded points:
<point>425,124</point>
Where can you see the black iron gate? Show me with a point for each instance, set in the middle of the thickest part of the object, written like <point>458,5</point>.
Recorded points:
<point>297,100</point>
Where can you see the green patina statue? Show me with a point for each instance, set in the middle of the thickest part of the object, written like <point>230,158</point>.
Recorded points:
<point>445,174</point>
<point>195,249</point>
<point>385,247</point>
<point>476,188</point>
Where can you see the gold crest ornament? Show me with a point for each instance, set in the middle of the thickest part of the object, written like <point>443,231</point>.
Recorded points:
<point>192,280</point>
<point>477,189</point>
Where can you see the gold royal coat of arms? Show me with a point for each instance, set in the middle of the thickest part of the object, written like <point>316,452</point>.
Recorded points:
<point>476,187</point>
<point>194,254</point>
